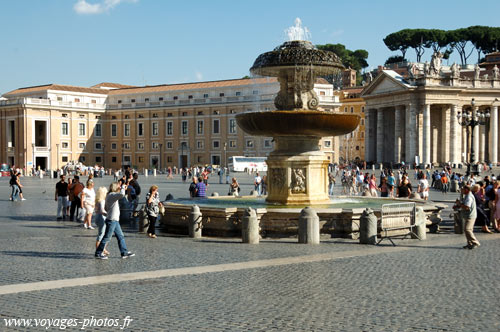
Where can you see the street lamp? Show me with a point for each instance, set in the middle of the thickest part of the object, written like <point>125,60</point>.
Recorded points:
<point>225,154</point>
<point>471,118</point>
<point>33,162</point>
<point>57,162</point>
<point>161,153</point>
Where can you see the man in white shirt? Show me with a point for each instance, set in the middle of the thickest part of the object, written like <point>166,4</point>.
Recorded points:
<point>258,183</point>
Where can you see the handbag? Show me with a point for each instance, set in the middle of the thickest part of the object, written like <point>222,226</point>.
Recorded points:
<point>81,214</point>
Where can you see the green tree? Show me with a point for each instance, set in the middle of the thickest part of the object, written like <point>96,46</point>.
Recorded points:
<point>394,59</point>
<point>458,39</point>
<point>478,36</point>
<point>354,59</point>
<point>350,59</point>
<point>435,39</point>
<point>398,41</point>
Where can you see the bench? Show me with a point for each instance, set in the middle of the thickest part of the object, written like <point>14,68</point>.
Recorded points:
<point>397,220</point>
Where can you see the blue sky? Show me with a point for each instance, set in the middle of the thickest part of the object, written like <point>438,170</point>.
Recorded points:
<point>137,42</point>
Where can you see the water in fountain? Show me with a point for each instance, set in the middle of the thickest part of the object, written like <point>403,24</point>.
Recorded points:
<point>297,32</point>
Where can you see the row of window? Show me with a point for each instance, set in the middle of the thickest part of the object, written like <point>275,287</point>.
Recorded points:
<point>141,159</point>
<point>200,144</point>
<point>154,128</point>
<point>205,95</point>
<point>82,129</point>
<point>352,109</point>
<point>200,124</point>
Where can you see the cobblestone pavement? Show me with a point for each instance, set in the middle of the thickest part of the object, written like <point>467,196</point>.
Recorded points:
<point>219,284</point>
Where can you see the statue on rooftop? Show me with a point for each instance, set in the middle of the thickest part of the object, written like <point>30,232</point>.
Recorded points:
<point>427,69</point>
<point>455,70</point>
<point>477,71</point>
<point>496,74</point>
<point>436,60</point>
<point>412,69</point>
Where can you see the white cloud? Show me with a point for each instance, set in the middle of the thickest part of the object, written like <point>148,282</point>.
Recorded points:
<point>199,76</point>
<point>86,8</point>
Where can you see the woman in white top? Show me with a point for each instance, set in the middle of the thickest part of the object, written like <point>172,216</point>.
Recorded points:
<point>88,203</point>
<point>100,215</point>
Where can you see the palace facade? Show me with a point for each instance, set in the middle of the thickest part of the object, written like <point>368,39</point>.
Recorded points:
<point>352,145</point>
<point>114,125</point>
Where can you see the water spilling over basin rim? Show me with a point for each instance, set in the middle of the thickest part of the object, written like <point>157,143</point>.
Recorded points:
<point>297,123</point>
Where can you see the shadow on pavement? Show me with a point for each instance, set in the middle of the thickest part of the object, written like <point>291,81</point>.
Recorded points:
<point>69,255</point>
<point>32,218</point>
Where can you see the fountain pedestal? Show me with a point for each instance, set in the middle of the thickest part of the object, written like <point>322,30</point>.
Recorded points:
<point>297,172</point>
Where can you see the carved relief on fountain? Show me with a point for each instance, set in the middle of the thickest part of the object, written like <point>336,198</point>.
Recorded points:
<point>298,181</point>
<point>277,178</point>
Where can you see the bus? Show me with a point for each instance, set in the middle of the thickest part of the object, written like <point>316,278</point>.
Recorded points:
<point>242,164</point>
<point>4,170</point>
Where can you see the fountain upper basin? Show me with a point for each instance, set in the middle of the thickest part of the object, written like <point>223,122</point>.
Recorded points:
<point>314,123</point>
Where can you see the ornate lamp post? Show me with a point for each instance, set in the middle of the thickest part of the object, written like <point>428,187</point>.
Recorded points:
<point>161,153</point>
<point>469,119</point>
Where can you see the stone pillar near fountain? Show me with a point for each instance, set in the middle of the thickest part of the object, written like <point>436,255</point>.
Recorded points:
<point>297,168</point>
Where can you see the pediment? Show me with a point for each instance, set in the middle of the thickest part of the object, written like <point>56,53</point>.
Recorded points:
<point>384,84</point>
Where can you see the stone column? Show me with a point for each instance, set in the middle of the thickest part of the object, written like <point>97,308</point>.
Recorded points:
<point>398,133</point>
<point>420,134</point>
<point>444,136</point>
<point>426,148</point>
<point>482,143</point>
<point>410,133</point>
<point>368,120</point>
<point>494,135</point>
<point>454,137</point>
<point>380,136</point>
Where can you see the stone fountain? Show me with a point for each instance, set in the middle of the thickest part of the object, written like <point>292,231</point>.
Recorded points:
<point>297,168</point>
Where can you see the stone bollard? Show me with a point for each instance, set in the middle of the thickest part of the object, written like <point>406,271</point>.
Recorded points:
<point>215,194</point>
<point>250,227</point>
<point>415,196</point>
<point>459,224</point>
<point>146,172</point>
<point>154,172</point>
<point>420,222</point>
<point>143,220</point>
<point>308,226</point>
<point>368,227</point>
<point>195,222</point>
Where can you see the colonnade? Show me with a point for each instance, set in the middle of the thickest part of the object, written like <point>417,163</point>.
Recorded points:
<point>427,133</point>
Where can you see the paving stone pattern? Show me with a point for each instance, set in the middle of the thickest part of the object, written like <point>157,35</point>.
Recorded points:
<point>426,286</point>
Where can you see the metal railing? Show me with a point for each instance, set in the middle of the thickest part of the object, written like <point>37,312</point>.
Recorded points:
<point>397,216</point>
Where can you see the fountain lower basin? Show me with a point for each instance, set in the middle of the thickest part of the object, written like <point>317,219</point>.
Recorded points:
<point>340,217</point>
<point>314,123</point>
